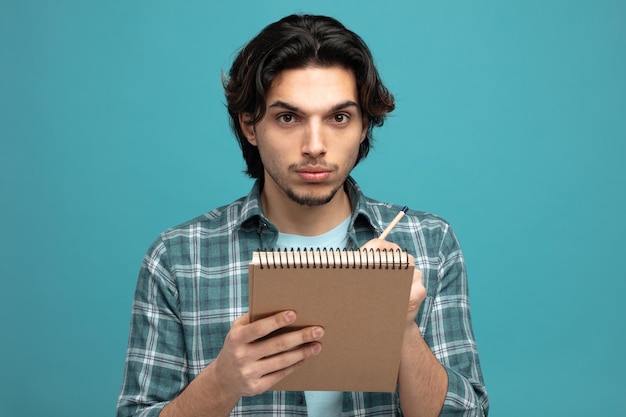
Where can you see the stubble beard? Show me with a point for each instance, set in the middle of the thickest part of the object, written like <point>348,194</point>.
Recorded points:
<point>309,199</point>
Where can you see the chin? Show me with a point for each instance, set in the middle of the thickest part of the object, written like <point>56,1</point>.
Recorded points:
<point>310,199</point>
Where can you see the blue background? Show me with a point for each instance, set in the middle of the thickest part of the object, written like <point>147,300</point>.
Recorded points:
<point>510,123</point>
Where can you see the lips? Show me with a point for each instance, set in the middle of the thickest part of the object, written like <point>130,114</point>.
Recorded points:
<point>313,174</point>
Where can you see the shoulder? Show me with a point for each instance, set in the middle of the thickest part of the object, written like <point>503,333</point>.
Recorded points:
<point>380,213</point>
<point>219,218</point>
<point>425,231</point>
<point>385,212</point>
<point>210,227</point>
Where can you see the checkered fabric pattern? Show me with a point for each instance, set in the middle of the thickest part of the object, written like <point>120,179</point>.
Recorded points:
<point>193,284</point>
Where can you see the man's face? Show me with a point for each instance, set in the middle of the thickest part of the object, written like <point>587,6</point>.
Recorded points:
<point>309,137</point>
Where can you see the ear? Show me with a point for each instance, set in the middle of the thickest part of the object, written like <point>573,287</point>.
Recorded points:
<point>247,128</point>
<point>366,122</point>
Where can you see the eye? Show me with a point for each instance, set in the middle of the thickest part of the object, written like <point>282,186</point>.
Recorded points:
<point>286,118</point>
<point>341,118</point>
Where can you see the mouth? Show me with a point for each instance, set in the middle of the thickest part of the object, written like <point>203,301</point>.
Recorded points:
<point>313,174</point>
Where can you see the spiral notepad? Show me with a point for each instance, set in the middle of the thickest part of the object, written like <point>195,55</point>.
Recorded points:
<point>360,297</point>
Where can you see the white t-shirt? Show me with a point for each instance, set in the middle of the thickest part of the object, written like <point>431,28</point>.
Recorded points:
<point>320,403</point>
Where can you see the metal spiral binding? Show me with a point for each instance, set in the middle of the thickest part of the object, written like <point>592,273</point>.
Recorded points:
<point>334,258</point>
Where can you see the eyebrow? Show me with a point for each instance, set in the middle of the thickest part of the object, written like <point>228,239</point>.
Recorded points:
<point>295,109</point>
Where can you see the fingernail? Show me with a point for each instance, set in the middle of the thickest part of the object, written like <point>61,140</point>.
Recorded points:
<point>318,332</point>
<point>290,316</point>
<point>315,349</point>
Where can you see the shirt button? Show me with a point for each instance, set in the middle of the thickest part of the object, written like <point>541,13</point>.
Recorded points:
<point>299,399</point>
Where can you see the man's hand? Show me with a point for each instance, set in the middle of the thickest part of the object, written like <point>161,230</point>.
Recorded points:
<point>249,363</point>
<point>418,292</point>
<point>422,380</point>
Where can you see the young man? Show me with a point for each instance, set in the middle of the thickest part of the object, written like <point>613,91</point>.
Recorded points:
<point>303,97</point>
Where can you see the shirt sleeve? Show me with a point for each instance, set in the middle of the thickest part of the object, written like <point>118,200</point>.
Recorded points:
<point>156,366</point>
<point>450,335</point>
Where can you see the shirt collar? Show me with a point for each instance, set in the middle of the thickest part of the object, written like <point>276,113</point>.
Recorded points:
<point>252,215</point>
<point>362,214</point>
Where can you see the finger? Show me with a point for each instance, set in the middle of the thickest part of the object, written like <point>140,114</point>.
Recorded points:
<point>283,351</point>
<point>265,326</point>
<point>271,370</point>
<point>418,291</point>
<point>288,341</point>
<point>242,320</point>
<point>280,365</point>
<point>379,244</point>
<point>271,379</point>
<point>418,276</point>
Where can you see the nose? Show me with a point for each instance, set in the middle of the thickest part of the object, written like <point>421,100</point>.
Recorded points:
<point>314,143</point>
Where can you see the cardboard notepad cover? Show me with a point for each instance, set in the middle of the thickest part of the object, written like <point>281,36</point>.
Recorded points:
<point>362,309</point>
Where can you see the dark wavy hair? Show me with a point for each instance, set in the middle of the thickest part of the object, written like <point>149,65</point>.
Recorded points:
<point>299,41</point>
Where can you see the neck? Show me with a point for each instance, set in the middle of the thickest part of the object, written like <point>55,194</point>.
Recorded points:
<point>297,219</point>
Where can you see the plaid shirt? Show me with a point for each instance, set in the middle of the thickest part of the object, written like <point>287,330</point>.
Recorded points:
<point>193,284</point>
